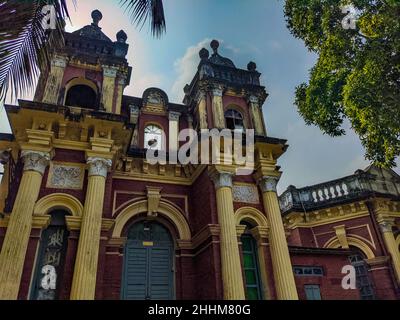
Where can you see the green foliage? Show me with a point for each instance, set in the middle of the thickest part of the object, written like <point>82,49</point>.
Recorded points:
<point>357,75</point>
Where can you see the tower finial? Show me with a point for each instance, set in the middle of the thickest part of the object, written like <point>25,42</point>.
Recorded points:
<point>214,45</point>
<point>96,16</point>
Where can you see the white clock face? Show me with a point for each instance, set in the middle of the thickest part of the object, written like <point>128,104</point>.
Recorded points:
<point>153,137</point>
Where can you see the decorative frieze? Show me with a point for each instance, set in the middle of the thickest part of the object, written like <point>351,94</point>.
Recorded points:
<point>65,175</point>
<point>245,193</point>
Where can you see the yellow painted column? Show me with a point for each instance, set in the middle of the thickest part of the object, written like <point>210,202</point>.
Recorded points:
<point>218,109</point>
<point>232,277</point>
<point>173,142</point>
<point>120,91</point>
<point>202,110</point>
<point>12,256</point>
<point>256,115</point>
<point>85,272</point>
<point>391,245</point>
<point>283,272</point>
<point>109,76</point>
<point>54,80</point>
<point>260,234</point>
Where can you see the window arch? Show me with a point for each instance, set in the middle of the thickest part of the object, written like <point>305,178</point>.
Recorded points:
<point>234,120</point>
<point>153,137</point>
<point>81,95</point>
<point>364,284</point>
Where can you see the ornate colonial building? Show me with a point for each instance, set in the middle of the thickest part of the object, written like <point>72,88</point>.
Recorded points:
<point>86,216</point>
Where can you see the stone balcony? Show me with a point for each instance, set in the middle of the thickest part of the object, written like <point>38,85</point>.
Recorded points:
<point>372,181</point>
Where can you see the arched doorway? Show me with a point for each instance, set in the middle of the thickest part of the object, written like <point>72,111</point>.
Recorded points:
<point>251,269</point>
<point>49,270</point>
<point>364,284</point>
<point>148,263</point>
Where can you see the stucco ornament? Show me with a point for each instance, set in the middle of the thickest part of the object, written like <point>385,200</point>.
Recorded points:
<point>268,183</point>
<point>245,194</point>
<point>65,176</point>
<point>35,160</point>
<point>98,166</point>
<point>222,179</point>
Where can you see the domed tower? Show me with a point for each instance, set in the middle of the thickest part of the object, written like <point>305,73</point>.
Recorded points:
<point>90,71</point>
<point>224,96</point>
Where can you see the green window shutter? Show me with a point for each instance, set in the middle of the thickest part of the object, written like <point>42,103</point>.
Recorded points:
<point>313,292</point>
<point>250,268</point>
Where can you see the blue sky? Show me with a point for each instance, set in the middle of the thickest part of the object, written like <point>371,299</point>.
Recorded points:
<point>248,30</point>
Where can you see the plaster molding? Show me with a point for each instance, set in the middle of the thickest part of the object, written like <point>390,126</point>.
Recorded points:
<point>35,160</point>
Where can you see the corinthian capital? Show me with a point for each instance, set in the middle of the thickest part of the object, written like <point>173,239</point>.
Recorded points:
<point>222,179</point>
<point>254,99</point>
<point>268,183</point>
<point>35,160</point>
<point>98,166</point>
<point>385,226</point>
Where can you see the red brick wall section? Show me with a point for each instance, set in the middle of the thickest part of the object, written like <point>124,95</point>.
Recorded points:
<point>331,283</point>
<point>69,266</point>
<point>202,203</point>
<point>29,264</point>
<point>383,283</point>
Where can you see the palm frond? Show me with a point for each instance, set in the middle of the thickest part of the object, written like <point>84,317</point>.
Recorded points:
<point>25,45</point>
<point>144,10</point>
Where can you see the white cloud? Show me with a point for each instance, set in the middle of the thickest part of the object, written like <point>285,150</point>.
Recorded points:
<point>185,68</point>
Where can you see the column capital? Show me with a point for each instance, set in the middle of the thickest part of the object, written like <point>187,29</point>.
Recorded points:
<point>253,99</point>
<point>201,94</point>
<point>59,61</point>
<point>173,116</point>
<point>268,183</point>
<point>35,160</point>
<point>222,179</point>
<point>110,71</point>
<point>386,226</point>
<point>98,166</point>
<point>217,91</point>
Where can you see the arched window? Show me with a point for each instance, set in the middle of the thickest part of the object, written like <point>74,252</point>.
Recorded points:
<point>250,265</point>
<point>234,120</point>
<point>363,281</point>
<point>81,96</point>
<point>51,257</point>
<point>153,137</point>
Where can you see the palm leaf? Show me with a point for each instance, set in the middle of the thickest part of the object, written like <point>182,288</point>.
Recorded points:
<point>144,10</point>
<point>25,46</point>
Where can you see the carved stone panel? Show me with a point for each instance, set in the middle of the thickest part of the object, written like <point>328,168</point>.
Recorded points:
<point>245,193</point>
<point>66,175</point>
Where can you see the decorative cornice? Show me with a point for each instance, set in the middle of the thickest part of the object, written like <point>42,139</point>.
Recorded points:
<point>98,166</point>
<point>268,183</point>
<point>35,160</point>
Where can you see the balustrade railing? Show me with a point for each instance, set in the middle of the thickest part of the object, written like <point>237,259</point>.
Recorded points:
<point>324,193</point>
